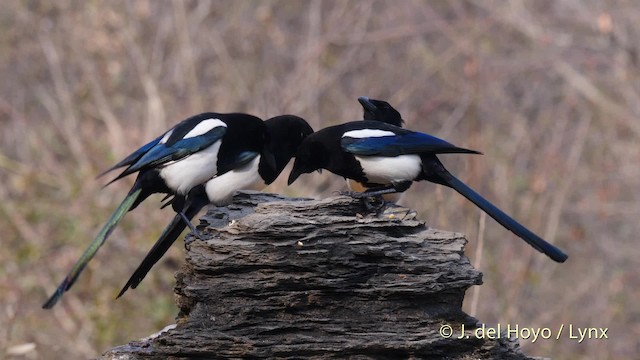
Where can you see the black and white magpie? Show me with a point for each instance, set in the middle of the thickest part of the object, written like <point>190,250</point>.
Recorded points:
<point>286,132</point>
<point>187,155</point>
<point>388,159</point>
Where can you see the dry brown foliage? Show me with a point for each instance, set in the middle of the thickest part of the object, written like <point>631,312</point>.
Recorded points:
<point>548,90</point>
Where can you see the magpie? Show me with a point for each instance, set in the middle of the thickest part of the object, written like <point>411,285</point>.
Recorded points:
<point>185,156</point>
<point>286,132</point>
<point>378,110</point>
<point>388,159</point>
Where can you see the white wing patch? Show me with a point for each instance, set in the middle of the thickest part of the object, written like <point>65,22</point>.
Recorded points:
<point>365,133</point>
<point>203,127</point>
<point>166,137</point>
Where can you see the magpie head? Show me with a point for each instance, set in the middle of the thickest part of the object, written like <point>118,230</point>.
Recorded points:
<point>380,110</point>
<point>286,133</point>
<point>311,156</point>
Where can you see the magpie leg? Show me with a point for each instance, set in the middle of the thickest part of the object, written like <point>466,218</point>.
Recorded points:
<point>179,203</point>
<point>388,189</point>
<point>352,194</point>
<point>371,192</point>
<point>193,229</point>
<point>371,199</point>
<point>378,192</point>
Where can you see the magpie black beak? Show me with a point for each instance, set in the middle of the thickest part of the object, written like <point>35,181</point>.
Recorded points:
<point>293,176</point>
<point>299,168</point>
<point>367,104</point>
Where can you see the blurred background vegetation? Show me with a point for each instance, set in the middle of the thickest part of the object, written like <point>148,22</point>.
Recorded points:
<point>548,90</point>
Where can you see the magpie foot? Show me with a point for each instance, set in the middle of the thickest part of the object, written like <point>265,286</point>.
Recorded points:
<point>375,204</point>
<point>188,240</point>
<point>192,227</point>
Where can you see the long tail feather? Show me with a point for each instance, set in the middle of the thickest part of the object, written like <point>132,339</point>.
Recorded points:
<point>505,220</point>
<point>162,245</point>
<point>88,254</point>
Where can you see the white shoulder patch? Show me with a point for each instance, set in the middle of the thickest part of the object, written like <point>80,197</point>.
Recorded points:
<point>166,137</point>
<point>365,133</point>
<point>203,127</point>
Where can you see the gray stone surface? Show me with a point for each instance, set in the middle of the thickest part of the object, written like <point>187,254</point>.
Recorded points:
<point>285,278</point>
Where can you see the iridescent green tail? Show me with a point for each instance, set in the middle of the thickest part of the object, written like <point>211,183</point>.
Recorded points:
<point>88,254</point>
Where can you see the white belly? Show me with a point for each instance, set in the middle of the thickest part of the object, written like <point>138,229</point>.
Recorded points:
<point>387,170</point>
<point>193,170</point>
<point>221,188</point>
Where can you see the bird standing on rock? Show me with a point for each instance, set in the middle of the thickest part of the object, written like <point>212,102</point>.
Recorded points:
<point>286,132</point>
<point>388,159</point>
<point>187,155</point>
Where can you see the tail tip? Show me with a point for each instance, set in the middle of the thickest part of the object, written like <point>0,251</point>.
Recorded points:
<point>64,286</point>
<point>560,257</point>
<point>124,290</point>
<point>52,300</point>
